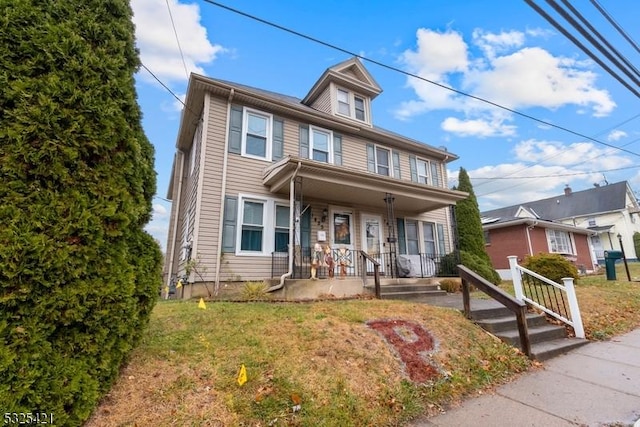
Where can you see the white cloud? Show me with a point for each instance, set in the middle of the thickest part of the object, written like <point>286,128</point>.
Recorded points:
<point>505,72</point>
<point>156,40</point>
<point>477,127</point>
<point>616,135</point>
<point>581,155</point>
<point>158,227</point>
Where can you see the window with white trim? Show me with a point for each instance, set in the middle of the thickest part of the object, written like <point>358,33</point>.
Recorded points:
<point>256,134</point>
<point>351,105</point>
<point>383,161</point>
<point>429,238</point>
<point>423,171</point>
<point>262,225</point>
<point>412,238</point>
<point>321,145</point>
<point>559,242</point>
<point>281,237</point>
<point>252,229</point>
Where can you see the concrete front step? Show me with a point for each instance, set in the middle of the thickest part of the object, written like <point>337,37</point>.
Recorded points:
<point>410,290</point>
<point>411,295</point>
<point>500,324</point>
<point>537,334</point>
<point>548,349</point>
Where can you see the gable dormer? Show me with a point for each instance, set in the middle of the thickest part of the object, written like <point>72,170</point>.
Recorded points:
<point>525,212</point>
<point>345,90</point>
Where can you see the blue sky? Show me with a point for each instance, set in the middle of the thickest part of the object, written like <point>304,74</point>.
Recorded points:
<point>502,51</point>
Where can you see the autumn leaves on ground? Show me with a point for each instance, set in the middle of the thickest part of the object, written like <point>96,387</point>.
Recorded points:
<point>321,363</point>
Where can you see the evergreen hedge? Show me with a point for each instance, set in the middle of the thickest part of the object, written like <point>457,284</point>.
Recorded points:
<point>78,275</point>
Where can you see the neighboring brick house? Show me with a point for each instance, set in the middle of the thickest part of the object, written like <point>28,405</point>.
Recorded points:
<point>608,214</point>
<point>256,170</point>
<point>525,234</point>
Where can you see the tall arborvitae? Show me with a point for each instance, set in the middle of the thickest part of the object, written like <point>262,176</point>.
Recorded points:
<point>470,234</point>
<point>78,275</point>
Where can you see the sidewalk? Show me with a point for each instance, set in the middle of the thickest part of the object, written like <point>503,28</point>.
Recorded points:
<point>595,385</point>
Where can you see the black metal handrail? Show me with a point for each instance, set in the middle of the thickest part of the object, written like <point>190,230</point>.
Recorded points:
<point>519,308</point>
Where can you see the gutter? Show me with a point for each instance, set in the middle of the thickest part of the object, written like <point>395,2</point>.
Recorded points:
<point>291,234</point>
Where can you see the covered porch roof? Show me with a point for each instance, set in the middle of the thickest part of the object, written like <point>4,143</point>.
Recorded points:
<point>345,186</point>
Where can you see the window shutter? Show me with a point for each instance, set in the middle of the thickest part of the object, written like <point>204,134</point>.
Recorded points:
<point>371,159</point>
<point>396,165</point>
<point>304,141</point>
<point>414,168</point>
<point>337,150</point>
<point>402,240</point>
<point>277,151</point>
<point>235,130</point>
<point>435,174</point>
<point>229,224</point>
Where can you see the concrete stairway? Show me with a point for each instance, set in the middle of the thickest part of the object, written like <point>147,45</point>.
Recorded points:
<point>409,289</point>
<point>547,340</point>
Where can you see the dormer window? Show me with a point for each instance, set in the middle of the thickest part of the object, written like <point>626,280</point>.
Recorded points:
<point>351,105</point>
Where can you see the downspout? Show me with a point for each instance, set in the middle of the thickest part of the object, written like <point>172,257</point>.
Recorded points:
<point>178,207</point>
<point>292,210</point>
<point>529,236</point>
<point>223,190</point>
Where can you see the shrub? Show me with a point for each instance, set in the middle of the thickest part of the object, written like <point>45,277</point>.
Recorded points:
<point>253,291</point>
<point>78,274</point>
<point>552,266</point>
<point>450,285</point>
<point>478,265</point>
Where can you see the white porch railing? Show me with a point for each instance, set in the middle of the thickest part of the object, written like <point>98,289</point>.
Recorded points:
<point>547,295</point>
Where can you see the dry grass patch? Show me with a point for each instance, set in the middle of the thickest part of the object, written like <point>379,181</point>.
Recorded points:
<point>320,355</point>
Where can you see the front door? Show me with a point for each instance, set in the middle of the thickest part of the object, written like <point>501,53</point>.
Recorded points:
<point>343,241</point>
<point>372,239</point>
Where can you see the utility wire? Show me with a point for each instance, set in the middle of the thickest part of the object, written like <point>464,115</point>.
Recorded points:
<point>555,175</point>
<point>615,25</point>
<point>392,68</point>
<point>575,41</point>
<point>184,64</point>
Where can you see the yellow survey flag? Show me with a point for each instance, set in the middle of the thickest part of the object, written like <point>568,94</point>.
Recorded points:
<point>179,284</point>
<point>201,304</point>
<point>242,375</point>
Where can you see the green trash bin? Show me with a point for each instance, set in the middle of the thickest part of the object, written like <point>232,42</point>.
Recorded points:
<point>610,258</point>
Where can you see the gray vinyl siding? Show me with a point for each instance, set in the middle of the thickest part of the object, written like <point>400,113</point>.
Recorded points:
<point>323,102</point>
<point>211,187</point>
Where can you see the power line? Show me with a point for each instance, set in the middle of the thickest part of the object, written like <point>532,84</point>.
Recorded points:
<point>579,44</point>
<point>177,40</point>
<point>555,175</point>
<point>612,21</point>
<point>164,85</point>
<point>398,70</point>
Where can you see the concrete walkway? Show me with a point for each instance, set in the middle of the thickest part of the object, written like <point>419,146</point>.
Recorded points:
<point>595,385</point>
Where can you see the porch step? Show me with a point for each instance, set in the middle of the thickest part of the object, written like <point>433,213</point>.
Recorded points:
<point>410,291</point>
<point>547,340</point>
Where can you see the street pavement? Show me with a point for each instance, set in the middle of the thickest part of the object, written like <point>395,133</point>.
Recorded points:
<point>595,385</point>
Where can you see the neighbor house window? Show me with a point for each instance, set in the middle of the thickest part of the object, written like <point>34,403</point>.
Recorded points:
<point>282,229</point>
<point>320,145</point>
<point>351,105</point>
<point>252,226</point>
<point>559,242</point>
<point>256,136</point>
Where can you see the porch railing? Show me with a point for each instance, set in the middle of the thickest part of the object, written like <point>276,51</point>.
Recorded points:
<point>392,265</point>
<point>368,260</point>
<point>556,300</point>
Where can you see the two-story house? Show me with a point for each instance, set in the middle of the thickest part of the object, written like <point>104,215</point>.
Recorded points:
<point>260,178</point>
<point>581,225</point>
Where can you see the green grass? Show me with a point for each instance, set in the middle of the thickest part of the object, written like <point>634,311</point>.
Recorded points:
<point>323,354</point>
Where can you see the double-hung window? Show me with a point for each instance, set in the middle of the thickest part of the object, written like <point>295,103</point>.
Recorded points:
<point>382,161</point>
<point>423,171</point>
<point>351,105</point>
<point>559,242</point>
<point>256,136</point>
<point>429,238</point>
<point>320,145</point>
<point>252,237</point>
<point>282,229</point>
<point>412,237</point>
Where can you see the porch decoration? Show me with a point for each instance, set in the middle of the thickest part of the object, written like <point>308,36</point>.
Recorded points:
<point>316,260</point>
<point>344,260</point>
<point>328,260</point>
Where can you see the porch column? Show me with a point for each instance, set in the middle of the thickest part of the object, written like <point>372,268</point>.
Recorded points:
<point>391,232</point>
